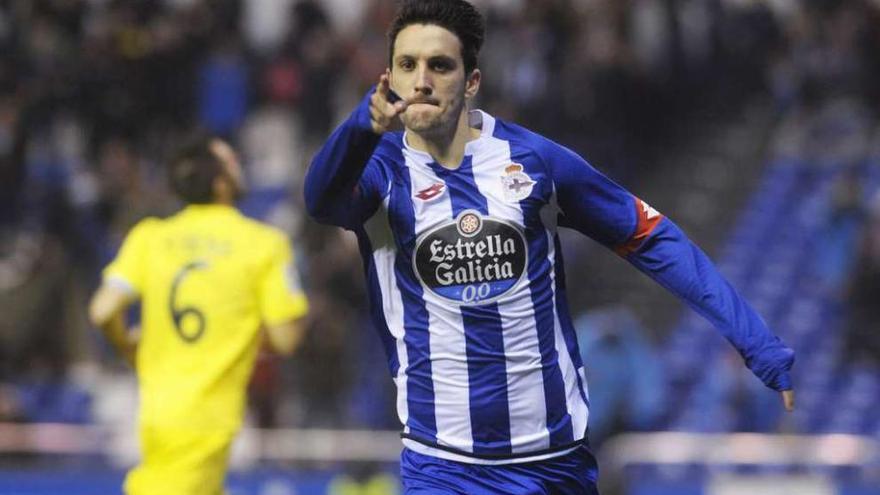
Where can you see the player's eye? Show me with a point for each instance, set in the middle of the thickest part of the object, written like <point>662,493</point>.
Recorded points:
<point>441,66</point>
<point>406,64</point>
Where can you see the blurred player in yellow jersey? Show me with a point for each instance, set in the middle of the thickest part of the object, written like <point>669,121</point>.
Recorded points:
<point>213,285</point>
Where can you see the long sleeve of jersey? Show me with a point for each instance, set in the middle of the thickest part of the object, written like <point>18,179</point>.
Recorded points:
<point>596,206</point>
<point>338,185</point>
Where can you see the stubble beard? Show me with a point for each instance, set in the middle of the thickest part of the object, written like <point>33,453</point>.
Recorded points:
<point>438,125</point>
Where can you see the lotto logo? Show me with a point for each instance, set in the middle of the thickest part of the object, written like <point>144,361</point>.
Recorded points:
<point>431,192</point>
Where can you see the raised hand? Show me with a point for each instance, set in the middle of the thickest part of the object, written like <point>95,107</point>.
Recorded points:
<point>382,111</point>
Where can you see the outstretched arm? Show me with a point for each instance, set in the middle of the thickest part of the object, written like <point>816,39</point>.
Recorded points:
<point>599,208</point>
<point>334,191</point>
<point>673,261</point>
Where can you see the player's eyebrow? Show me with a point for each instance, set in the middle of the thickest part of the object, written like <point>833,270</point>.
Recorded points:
<point>431,58</point>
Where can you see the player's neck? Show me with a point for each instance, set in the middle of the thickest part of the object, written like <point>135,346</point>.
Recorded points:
<point>446,148</point>
<point>213,205</point>
<point>225,194</point>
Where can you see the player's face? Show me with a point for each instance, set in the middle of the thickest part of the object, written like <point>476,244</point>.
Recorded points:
<point>427,70</point>
<point>231,166</point>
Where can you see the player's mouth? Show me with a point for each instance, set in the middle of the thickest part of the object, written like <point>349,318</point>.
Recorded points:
<point>430,102</point>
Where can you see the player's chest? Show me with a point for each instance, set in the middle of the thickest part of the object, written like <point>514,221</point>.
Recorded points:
<point>467,231</point>
<point>481,192</point>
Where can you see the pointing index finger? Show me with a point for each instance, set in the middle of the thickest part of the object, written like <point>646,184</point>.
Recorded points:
<point>788,400</point>
<point>384,86</point>
<point>386,93</point>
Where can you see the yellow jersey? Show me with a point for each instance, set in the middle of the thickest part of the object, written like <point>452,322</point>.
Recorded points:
<point>208,279</point>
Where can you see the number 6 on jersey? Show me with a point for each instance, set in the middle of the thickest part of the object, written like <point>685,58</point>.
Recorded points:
<point>180,314</point>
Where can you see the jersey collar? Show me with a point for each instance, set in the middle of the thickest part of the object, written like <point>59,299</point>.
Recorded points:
<point>477,119</point>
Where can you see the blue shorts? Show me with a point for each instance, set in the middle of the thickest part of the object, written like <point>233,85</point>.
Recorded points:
<point>574,473</point>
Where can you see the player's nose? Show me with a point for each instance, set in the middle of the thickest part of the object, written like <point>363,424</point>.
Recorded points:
<point>423,83</point>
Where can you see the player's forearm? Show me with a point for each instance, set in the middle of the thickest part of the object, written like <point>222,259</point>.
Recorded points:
<point>334,172</point>
<point>107,312</point>
<point>672,260</point>
<point>285,339</point>
<point>117,333</point>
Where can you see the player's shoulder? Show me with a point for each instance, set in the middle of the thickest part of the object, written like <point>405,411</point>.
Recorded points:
<point>387,157</point>
<point>526,140</point>
<point>262,233</point>
<point>523,136</point>
<point>146,227</point>
<point>545,149</point>
<point>390,146</point>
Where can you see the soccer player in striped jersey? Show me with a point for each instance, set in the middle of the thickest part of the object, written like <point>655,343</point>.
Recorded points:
<point>456,218</point>
<point>213,285</point>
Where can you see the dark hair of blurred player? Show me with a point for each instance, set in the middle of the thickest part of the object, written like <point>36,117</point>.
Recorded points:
<point>205,170</point>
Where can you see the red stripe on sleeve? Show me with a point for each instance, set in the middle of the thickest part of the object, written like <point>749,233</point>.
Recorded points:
<point>648,218</point>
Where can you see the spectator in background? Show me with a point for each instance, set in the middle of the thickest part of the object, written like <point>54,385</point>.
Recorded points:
<point>313,41</point>
<point>834,259</point>
<point>370,407</point>
<point>627,385</point>
<point>224,89</point>
<point>12,170</point>
<point>10,408</point>
<point>36,344</point>
<point>863,335</point>
<point>323,392</point>
<point>265,24</point>
<point>33,272</point>
<point>128,193</point>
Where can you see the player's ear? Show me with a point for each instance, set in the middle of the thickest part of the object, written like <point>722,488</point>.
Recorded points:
<point>472,84</point>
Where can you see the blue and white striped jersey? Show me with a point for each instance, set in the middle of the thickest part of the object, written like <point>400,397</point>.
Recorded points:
<point>467,286</point>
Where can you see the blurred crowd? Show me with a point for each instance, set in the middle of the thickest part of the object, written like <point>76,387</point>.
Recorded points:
<point>94,94</point>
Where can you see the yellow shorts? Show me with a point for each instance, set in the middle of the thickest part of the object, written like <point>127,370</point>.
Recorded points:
<point>180,462</point>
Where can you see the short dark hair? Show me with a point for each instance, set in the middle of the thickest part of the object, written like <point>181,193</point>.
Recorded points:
<point>192,169</point>
<point>458,16</point>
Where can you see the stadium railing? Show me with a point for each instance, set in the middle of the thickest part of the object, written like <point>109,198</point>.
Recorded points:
<point>659,463</point>
<point>663,463</point>
<point>252,445</point>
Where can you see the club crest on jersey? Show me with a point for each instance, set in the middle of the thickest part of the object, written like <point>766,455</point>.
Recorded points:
<point>517,185</point>
<point>432,192</point>
<point>473,260</point>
